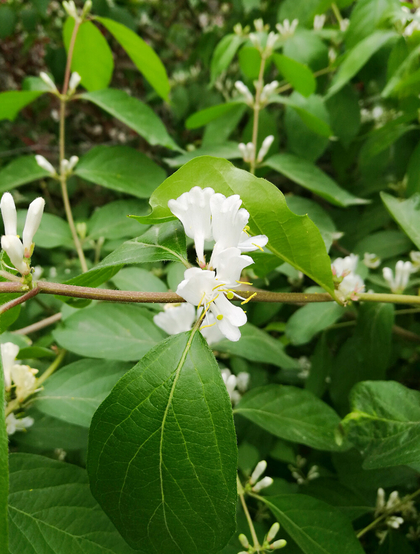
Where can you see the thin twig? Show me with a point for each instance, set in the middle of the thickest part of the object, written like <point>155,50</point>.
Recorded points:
<point>39,325</point>
<point>257,546</point>
<point>16,301</point>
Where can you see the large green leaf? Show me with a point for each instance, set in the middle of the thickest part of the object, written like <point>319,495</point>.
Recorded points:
<point>311,111</point>
<point>15,100</point>
<point>257,346</point>
<point>224,53</point>
<point>162,452</point>
<point>310,320</point>
<point>295,239</point>
<point>53,231</point>
<point>385,244</point>
<point>134,113</point>
<point>19,172</point>
<point>51,510</point>
<point>109,331</point>
<point>228,150</point>
<point>121,168</point>
<point>112,222</point>
<point>368,15</point>
<point>384,423</point>
<point>315,526</point>
<point>74,393</point>
<point>293,414</point>
<point>142,55</point>
<point>309,176</point>
<point>203,117</point>
<point>92,57</point>
<point>321,218</point>
<point>297,74</point>
<point>406,213</point>
<point>4,470</point>
<point>164,242</point>
<point>358,56</point>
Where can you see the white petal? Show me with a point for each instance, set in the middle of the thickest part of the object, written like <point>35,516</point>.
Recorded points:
<point>9,351</point>
<point>196,284</point>
<point>234,314</point>
<point>249,244</point>
<point>176,319</point>
<point>8,212</point>
<point>14,249</point>
<point>33,220</point>
<point>230,264</point>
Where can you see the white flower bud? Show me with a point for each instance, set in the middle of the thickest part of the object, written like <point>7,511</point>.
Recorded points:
<point>267,91</point>
<point>74,82</point>
<point>243,89</point>
<point>263,484</point>
<point>380,500</point>
<point>265,147</point>
<point>14,249</point>
<point>394,522</point>
<point>371,260</point>
<point>415,258</point>
<point>255,39</point>
<point>259,25</point>
<point>45,164</point>
<point>258,471</point>
<point>319,22</point>
<point>64,167</point>
<point>271,41</point>
<point>9,351</point>
<point>8,212</point>
<point>24,378</point>
<point>33,220</point>
<point>70,8</point>
<point>287,29</point>
<point>72,162</point>
<point>278,544</point>
<point>87,7</point>
<point>243,540</point>
<point>48,81</point>
<point>242,381</point>
<point>273,531</point>
<point>344,23</point>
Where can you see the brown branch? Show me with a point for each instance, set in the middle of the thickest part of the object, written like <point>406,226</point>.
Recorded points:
<point>16,301</point>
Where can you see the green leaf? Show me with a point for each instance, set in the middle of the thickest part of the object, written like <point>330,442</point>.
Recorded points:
<point>19,172</point>
<point>109,331</point>
<point>15,100</point>
<point>321,218</point>
<point>92,57</point>
<point>160,243</point>
<point>135,114</point>
<point>294,239</point>
<point>413,172</point>
<point>297,74</point>
<point>401,76</point>
<point>406,213</point>
<point>309,176</point>
<point>310,320</point>
<point>223,54</point>
<point>52,232</point>
<point>358,56</point>
<point>384,423</point>
<point>4,469</point>
<point>139,279</point>
<point>51,509</point>
<point>293,414</point>
<point>385,244</point>
<point>141,54</point>
<point>311,111</point>
<point>203,117</point>
<point>112,222</point>
<point>74,393</point>
<point>257,346</point>
<point>383,138</point>
<point>7,21</point>
<point>368,15</point>
<point>315,526</point>
<point>149,436</point>
<point>344,112</point>
<point>121,168</point>
<point>228,150</point>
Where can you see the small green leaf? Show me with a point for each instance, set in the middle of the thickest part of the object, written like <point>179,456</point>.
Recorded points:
<point>13,101</point>
<point>315,526</point>
<point>223,54</point>
<point>139,279</point>
<point>19,172</point>
<point>368,15</point>
<point>293,414</point>
<point>149,437</point>
<point>295,239</point>
<point>310,320</point>
<point>297,74</point>
<point>385,244</point>
<point>92,57</point>
<point>228,150</point>
<point>4,469</point>
<point>402,74</point>
<point>51,509</point>
<point>384,423</point>
<point>134,113</point>
<point>109,331</point>
<point>309,176</point>
<point>357,57</point>
<point>112,222</point>
<point>203,117</point>
<point>312,111</point>
<point>74,393</point>
<point>406,213</point>
<point>121,168</point>
<point>142,55</point>
<point>321,218</point>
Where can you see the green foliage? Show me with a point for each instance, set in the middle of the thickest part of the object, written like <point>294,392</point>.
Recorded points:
<point>12,102</point>
<point>19,172</point>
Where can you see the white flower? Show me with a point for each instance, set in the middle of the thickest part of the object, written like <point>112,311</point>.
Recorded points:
<point>281,543</point>
<point>200,287</point>
<point>341,267</point>
<point>271,41</point>
<point>349,283</point>
<point>247,151</point>
<point>244,90</point>
<point>255,39</point>
<point>344,23</point>
<point>71,9</point>
<point>402,276</point>
<point>193,209</point>
<point>176,318</point>
<point>230,264</point>
<point>8,212</point>
<point>9,351</point>
<point>415,259</point>
<point>66,166</point>
<point>263,484</point>
<point>242,381</point>
<point>74,82</point>
<point>274,529</point>
<point>319,22</point>
<point>394,522</point>
<point>351,286</point>
<point>371,260</point>
<point>32,222</point>
<point>24,378</point>
<point>211,331</point>
<point>14,424</point>
<point>265,147</point>
<point>259,25</point>
<point>14,249</point>
<point>287,29</point>
<point>45,164</point>
<point>332,54</point>
<point>229,380</point>
<point>267,91</point>
<point>49,82</point>
<point>258,471</point>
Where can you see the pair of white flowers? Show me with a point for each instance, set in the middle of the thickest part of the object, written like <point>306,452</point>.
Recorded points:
<point>210,216</point>
<point>349,283</point>
<point>20,252</point>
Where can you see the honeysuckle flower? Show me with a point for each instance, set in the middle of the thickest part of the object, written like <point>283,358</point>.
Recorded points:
<point>24,378</point>
<point>9,214</point>
<point>265,147</point>
<point>9,351</point>
<point>74,82</point>
<point>267,91</point>
<point>13,247</point>
<point>319,21</point>
<point>271,41</point>
<point>201,288</point>
<point>32,222</point>
<point>344,23</point>
<point>176,318</point>
<point>403,271</point>
<point>287,29</point>
<point>259,25</point>
<point>244,90</point>
<point>242,381</point>
<point>70,8</point>
<point>66,166</point>
<point>341,267</point>
<point>230,264</point>
<point>229,380</point>
<point>394,522</point>
<point>274,529</point>
<point>415,259</point>
<point>263,484</point>
<point>372,261</point>
<point>247,151</point>
<point>348,283</point>
<point>351,286</point>
<point>193,209</point>
<point>281,543</point>
<point>45,164</point>
<point>211,331</point>
<point>243,540</point>
<point>49,82</point>
<point>258,471</point>
<point>14,424</point>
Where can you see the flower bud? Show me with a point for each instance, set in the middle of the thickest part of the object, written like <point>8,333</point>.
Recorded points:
<point>33,220</point>
<point>48,81</point>
<point>263,484</point>
<point>72,162</point>
<point>70,8</point>
<point>243,540</point>
<point>273,531</point>
<point>278,544</point>
<point>74,82</point>
<point>87,7</point>
<point>258,471</point>
<point>265,147</point>
<point>8,212</point>
<point>14,249</point>
<point>45,164</point>
<point>243,89</point>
